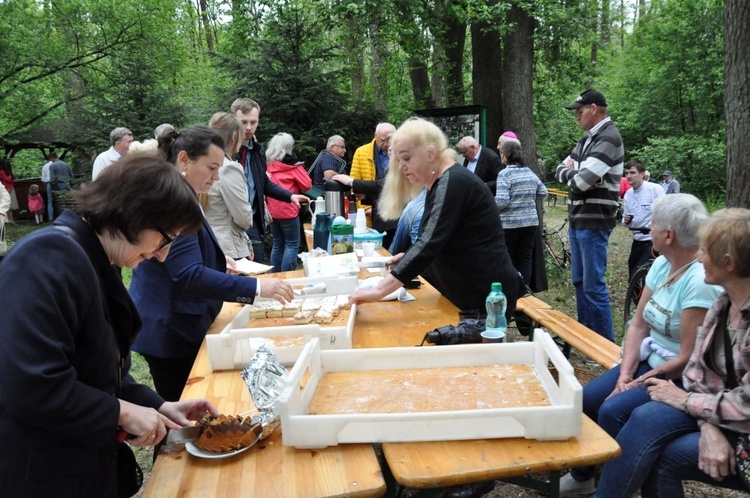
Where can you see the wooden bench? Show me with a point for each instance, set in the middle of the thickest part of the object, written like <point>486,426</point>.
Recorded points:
<point>554,193</point>
<point>574,334</point>
<point>592,345</point>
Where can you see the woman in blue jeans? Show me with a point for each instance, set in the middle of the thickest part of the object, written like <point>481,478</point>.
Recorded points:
<point>660,338</point>
<point>691,433</point>
<point>286,171</point>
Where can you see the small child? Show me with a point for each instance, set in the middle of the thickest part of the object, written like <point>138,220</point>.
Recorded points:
<point>36,203</point>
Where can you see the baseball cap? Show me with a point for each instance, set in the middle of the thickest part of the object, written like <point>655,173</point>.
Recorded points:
<point>667,173</point>
<point>590,96</point>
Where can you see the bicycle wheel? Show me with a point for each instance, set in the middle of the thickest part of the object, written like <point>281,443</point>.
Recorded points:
<point>635,289</point>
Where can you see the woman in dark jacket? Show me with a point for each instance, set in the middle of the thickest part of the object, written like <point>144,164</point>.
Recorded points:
<point>67,326</point>
<point>180,297</point>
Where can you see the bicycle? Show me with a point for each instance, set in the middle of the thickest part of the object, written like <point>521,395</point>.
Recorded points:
<point>637,283</point>
<point>561,255</point>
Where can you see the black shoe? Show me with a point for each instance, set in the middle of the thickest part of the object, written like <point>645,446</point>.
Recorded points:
<point>473,490</point>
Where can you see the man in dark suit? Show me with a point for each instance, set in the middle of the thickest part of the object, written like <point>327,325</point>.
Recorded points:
<point>481,161</point>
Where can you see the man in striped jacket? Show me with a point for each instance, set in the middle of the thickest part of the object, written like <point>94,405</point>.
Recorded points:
<point>592,173</point>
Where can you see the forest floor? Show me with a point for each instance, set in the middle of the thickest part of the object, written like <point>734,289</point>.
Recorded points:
<point>560,295</point>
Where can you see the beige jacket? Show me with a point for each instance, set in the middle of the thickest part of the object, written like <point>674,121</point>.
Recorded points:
<point>228,212</point>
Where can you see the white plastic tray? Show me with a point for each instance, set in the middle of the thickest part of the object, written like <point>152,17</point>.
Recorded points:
<point>230,349</point>
<point>560,420</point>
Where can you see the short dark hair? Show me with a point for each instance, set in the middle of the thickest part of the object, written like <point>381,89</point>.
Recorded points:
<point>138,192</point>
<point>635,164</point>
<point>195,140</point>
<point>511,149</point>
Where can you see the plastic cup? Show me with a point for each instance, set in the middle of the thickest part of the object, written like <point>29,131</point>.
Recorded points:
<point>368,249</point>
<point>493,336</point>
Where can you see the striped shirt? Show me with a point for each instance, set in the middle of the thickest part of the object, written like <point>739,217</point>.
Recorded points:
<point>517,190</point>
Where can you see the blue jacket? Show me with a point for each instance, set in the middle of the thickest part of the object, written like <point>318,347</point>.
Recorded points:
<point>180,298</point>
<point>59,364</point>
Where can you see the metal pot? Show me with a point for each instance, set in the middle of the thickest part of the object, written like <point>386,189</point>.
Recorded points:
<point>336,195</point>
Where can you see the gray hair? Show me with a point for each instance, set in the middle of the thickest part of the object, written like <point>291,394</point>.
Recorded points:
<point>280,145</point>
<point>118,134</point>
<point>334,140</point>
<point>683,213</point>
<point>163,129</point>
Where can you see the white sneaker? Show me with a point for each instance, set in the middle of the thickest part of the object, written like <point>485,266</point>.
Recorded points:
<point>569,486</point>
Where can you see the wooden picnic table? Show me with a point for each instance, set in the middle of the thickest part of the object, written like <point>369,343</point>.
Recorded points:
<point>273,470</point>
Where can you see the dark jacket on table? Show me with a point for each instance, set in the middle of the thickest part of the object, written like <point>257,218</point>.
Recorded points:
<point>254,161</point>
<point>462,243</point>
<point>488,166</point>
<point>180,298</point>
<point>59,364</point>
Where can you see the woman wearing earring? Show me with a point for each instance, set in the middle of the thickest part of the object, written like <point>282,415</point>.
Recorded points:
<point>180,298</point>
<point>461,241</point>
<point>227,209</point>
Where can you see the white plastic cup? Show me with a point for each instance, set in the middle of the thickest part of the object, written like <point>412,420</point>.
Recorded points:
<point>493,336</point>
<point>360,222</point>
<point>368,249</point>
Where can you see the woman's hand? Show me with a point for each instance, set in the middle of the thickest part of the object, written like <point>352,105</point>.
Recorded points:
<point>231,266</point>
<point>716,457</point>
<point>184,412</point>
<point>385,287</point>
<point>666,392</point>
<point>277,289</point>
<point>624,382</point>
<point>298,199</point>
<point>146,424</point>
<point>343,179</point>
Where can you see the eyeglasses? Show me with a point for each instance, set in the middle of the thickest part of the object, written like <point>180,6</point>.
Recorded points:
<point>167,239</point>
<point>342,146</point>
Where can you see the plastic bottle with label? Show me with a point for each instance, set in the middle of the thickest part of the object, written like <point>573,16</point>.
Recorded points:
<point>496,304</point>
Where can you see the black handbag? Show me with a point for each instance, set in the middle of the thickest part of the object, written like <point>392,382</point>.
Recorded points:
<point>129,473</point>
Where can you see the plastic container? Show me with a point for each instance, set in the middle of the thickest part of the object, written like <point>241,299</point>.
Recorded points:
<point>342,239</point>
<point>303,430</point>
<point>370,235</point>
<point>496,304</point>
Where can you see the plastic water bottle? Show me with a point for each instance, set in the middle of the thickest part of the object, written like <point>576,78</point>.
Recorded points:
<point>496,304</point>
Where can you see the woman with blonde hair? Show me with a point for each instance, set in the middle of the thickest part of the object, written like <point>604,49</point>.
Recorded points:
<point>228,210</point>
<point>461,242</point>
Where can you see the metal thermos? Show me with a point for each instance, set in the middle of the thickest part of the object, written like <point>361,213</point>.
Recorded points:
<point>335,195</point>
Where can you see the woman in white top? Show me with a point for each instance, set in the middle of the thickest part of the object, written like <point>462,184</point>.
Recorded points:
<point>227,208</point>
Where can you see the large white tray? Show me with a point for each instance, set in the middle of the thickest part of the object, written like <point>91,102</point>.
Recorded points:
<point>560,420</point>
<point>230,349</point>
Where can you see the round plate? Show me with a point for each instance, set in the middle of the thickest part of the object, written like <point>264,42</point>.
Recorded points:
<point>197,452</point>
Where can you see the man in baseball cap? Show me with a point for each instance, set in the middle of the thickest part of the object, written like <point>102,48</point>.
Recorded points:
<point>592,173</point>
<point>588,97</point>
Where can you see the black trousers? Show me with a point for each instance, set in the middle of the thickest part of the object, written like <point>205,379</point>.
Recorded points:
<point>640,253</point>
<point>170,375</point>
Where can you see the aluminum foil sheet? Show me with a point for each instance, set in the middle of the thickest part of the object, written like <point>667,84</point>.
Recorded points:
<point>266,379</point>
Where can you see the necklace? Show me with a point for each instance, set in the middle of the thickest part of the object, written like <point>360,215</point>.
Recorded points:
<point>736,312</point>
<point>674,276</point>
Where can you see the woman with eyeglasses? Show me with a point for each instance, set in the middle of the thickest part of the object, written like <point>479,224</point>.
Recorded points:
<point>67,325</point>
<point>180,297</point>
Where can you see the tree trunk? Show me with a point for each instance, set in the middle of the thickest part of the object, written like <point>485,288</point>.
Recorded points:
<point>737,100</point>
<point>420,83</point>
<point>453,47</point>
<point>487,77</point>
<point>378,80</point>
<point>355,60</point>
<point>641,8</point>
<point>517,89</point>
<point>206,26</point>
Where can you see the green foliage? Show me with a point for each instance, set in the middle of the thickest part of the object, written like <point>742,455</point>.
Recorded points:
<point>698,163</point>
<point>291,70</point>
